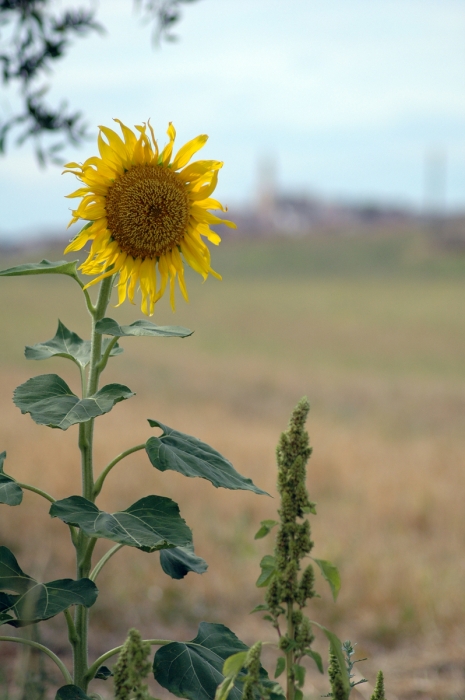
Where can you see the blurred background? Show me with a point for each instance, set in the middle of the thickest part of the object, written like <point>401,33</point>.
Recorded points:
<point>341,125</point>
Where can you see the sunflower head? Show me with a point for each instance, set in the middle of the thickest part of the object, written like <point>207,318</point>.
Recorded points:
<point>145,211</point>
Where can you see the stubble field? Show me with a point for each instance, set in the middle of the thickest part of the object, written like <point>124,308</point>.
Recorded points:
<point>372,329</point>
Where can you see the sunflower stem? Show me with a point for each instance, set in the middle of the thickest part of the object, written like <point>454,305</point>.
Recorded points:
<point>99,566</point>
<point>99,482</point>
<point>84,545</point>
<point>103,362</point>
<point>29,642</point>
<point>34,489</point>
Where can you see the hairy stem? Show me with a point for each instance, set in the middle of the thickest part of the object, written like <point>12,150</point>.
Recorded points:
<point>103,362</point>
<point>72,634</point>
<point>99,566</point>
<point>46,650</point>
<point>96,665</point>
<point>90,306</point>
<point>85,544</point>
<point>99,482</point>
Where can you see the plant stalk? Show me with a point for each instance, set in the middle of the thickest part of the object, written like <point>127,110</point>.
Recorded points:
<point>84,545</point>
<point>99,482</point>
<point>290,660</point>
<point>46,650</point>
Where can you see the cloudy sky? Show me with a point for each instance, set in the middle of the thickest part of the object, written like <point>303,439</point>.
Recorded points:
<point>349,98</point>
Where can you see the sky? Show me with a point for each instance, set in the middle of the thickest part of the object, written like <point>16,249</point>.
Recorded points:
<point>351,99</point>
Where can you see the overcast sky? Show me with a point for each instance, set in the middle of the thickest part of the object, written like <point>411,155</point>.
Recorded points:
<point>348,97</point>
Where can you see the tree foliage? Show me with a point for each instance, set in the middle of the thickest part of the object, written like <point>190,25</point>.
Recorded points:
<point>34,34</point>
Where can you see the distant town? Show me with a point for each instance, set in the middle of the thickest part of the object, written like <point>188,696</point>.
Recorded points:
<point>273,212</point>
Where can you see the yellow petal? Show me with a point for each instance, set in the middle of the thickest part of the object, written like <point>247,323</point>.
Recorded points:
<point>205,217</point>
<point>206,190</point>
<point>117,265</point>
<point>81,192</point>
<point>123,282</point>
<point>168,150</point>
<point>210,203</point>
<point>109,156</point>
<point>80,240</point>
<point>130,139</point>
<point>133,280</point>
<point>177,262</point>
<point>116,144</point>
<point>186,152</point>
<point>195,170</point>
<point>154,142</point>
<point>206,231</point>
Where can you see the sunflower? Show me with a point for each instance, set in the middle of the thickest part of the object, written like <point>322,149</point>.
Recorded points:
<point>143,210</point>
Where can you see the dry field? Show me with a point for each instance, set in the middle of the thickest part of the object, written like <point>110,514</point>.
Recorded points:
<point>372,330</point>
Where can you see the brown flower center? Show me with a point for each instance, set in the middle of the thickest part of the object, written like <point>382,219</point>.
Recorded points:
<point>147,211</point>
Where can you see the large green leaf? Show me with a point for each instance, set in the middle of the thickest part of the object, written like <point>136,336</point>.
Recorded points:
<point>150,524</point>
<point>12,578</point>
<point>189,456</point>
<point>33,601</point>
<point>179,561</point>
<point>44,267</point>
<point>10,492</point>
<point>66,344</point>
<point>51,402</point>
<point>108,326</point>
<point>71,692</point>
<point>194,669</point>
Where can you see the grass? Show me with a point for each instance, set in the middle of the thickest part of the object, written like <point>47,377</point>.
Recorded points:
<point>372,329</point>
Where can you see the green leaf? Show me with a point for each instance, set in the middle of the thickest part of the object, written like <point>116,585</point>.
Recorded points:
<point>310,509</point>
<point>316,658</point>
<point>189,456</point>
<point>265,529</point>
<point>298,695</point>
<point>194,669</point>
<point>51,402</point>
<point>67,344</point>
<point>224,688</point>
<point>234,664</point>
<point>331,574</point>
<point>10,492</point>
<point>179,561</point>
<point>44,267</point>
<point>268,567</point>
<point>280,666</point>
<point>336,648</point>
<point>150,524</point>
<point>259,608</point>
<point>108,326</point>
<point>71,692</point>
<point>36,601</point>
<point>103,673</point>
<point>299,672</point>
<point>12,578</point>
